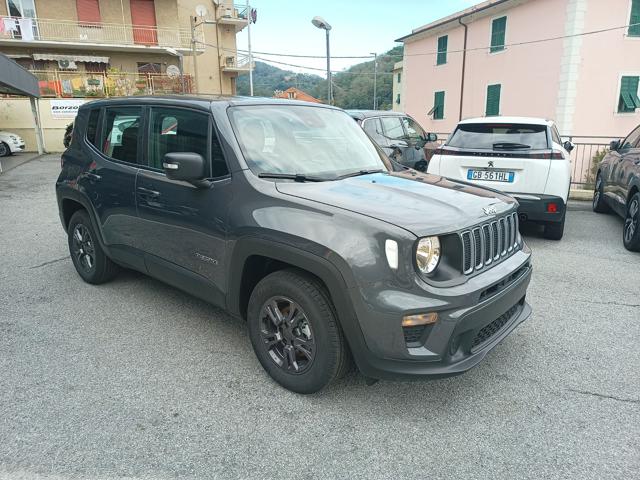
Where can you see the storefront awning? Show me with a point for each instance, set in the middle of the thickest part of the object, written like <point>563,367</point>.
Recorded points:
<point>71,58</point>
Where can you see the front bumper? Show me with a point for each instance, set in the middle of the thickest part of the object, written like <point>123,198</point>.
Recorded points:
<point>17,147</point>
<point>471,323</point>
<point>534,208</point>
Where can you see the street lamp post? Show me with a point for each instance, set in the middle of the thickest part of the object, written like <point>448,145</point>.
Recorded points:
<point>321,23</point>
<point>375,80</point>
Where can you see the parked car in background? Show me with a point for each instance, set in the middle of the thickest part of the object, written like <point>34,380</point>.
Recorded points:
<point>10,143</point>
<point>618,186</point>
<point>399,136</point>
<point>522,156</point>
<point>286,214</point>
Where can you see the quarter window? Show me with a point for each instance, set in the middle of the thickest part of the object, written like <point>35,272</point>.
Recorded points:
<point>442,50</point>
<point>634,21</point>
<point>498,31</point>
<point>628,101</point>
<point>92,127</point>
<point>123,128</point>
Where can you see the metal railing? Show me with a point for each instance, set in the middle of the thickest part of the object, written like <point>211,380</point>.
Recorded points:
<point>235,12</point>
<point>60,84</point>
<point>64,31</point>
<point>238,61</point>
<point>587,153</point>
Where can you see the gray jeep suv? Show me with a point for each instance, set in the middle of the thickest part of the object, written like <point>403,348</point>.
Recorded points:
<point>286,214</point>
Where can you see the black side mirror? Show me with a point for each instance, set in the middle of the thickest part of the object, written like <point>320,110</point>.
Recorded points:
<point>186,166</point>
<point>568,146</point>
<point>615,145</point>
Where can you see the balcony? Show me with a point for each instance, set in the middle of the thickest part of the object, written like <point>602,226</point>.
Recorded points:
<point>237,63</point>
<point>57,84</point>
<point>95,36</point>
<point>233,15</point>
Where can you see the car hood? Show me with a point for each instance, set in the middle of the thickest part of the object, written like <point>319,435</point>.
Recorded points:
<point>422,204</point>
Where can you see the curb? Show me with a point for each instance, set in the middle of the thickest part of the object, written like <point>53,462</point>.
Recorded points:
<point>582,195</point>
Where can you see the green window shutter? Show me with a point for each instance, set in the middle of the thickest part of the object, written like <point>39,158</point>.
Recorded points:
<point>493,100</point>
<point>628,101</point>
<point>498,29</point>
<point>438,106</point>
<point>442,50</point>
<point>634,21</point>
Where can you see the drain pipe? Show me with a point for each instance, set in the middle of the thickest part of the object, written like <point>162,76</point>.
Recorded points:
<point>464,61</point>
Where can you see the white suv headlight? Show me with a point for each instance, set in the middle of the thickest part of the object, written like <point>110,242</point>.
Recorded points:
<point>428,254</point>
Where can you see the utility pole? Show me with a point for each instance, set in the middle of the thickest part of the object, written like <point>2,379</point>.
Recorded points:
<point>194,53</point>
<point>249,19</point>
<point>375,80</point>
<point>329,85</point>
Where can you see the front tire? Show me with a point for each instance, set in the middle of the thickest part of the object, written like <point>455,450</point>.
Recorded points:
<point>91,263</point>
<point>631,230</point>
<point>5,151</point>
<point>599,205</point>
<point>295,332</point>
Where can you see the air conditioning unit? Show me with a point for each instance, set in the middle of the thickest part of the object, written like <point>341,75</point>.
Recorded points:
<point>67,65</point>
<point>230,61</point>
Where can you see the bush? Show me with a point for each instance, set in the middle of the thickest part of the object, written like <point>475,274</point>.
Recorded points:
<point>595,164</point>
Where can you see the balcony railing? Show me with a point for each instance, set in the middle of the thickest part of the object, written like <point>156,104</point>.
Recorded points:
<point>235,63</point>
<point>117,34</point>
<point>237,15</point>
<point>56,84</point>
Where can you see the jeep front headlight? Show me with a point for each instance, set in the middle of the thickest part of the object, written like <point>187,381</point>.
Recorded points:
<point>428,254</point>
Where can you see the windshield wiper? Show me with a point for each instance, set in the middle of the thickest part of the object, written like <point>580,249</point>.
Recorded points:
<point>510,146</point>
<point>359,173</point>
<point>298,177</point>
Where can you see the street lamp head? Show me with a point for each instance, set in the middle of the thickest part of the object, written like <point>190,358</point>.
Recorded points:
<point>321,23</point>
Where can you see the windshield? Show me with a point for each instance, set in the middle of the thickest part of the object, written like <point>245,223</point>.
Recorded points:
<point>502,136</point>
<point>301,140</point>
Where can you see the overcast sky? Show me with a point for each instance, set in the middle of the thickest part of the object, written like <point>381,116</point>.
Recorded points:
<point>358,27</point>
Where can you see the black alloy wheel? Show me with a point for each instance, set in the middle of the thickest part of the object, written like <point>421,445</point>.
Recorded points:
<point>82,248</point>
<point>631,231</point>
<point>598,196</point>
<point>287,335</point>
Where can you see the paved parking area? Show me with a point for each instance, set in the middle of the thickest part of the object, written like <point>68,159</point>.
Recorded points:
<point>136,379</point>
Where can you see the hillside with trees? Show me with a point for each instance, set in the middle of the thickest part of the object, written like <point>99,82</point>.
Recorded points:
<point>352,88</point>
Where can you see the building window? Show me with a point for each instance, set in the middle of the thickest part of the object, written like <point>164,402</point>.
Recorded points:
<point>493,100</point>
<point>399,77</point>
<point>498,30</point>
<point>442,50</point>
<point>88,11</point>
<point>634,21</point>
<point>628,101</point>
<point>398,99</point>
<point>438,106</point>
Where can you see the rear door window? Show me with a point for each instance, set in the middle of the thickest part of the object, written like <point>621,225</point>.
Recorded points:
<point>501,136</point>
<point>122,134</point>
<point>393,127</point>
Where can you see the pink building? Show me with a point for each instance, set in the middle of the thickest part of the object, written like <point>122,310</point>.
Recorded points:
<point>528,58</point>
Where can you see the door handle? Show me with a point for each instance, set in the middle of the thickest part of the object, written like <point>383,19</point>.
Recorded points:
<point>148,192</point>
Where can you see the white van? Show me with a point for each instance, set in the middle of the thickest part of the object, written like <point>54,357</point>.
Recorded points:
<point>522,156</point>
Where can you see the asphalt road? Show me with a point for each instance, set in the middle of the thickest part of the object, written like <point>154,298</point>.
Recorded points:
<point>136,379</point>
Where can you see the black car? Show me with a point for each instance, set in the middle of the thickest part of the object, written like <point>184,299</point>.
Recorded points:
<point>618,186</point>
<point>399,136</point>
<point>285,213</point>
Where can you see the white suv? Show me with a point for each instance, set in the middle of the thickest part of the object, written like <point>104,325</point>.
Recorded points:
<point>522,156</point>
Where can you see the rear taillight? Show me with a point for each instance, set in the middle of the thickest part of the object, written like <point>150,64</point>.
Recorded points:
<point>552,207</point>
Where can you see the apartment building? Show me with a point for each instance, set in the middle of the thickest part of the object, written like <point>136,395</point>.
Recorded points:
<point>398,104</point>
<point>530,58</point>
<point>85,49</point>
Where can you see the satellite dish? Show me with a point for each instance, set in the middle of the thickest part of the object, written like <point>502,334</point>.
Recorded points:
<point>201,11</point>
<point>173,71</point>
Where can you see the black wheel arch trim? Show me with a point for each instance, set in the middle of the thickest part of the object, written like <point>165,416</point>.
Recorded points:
<point>322,268</point>
<point>67,193</point>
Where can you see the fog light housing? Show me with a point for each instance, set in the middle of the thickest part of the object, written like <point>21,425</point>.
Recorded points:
<point>419,319</point>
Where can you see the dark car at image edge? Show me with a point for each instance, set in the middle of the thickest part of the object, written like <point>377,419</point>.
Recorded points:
<point>285,214</point>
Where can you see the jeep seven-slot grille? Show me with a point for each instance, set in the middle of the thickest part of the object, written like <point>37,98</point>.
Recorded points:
<point>489,242</point>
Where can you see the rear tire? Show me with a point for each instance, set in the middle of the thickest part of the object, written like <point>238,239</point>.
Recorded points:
<point>599,205</point>
<point>91,263</point>
<point>295,332</point>
<point>631,230</point>
<point>554,230</point>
